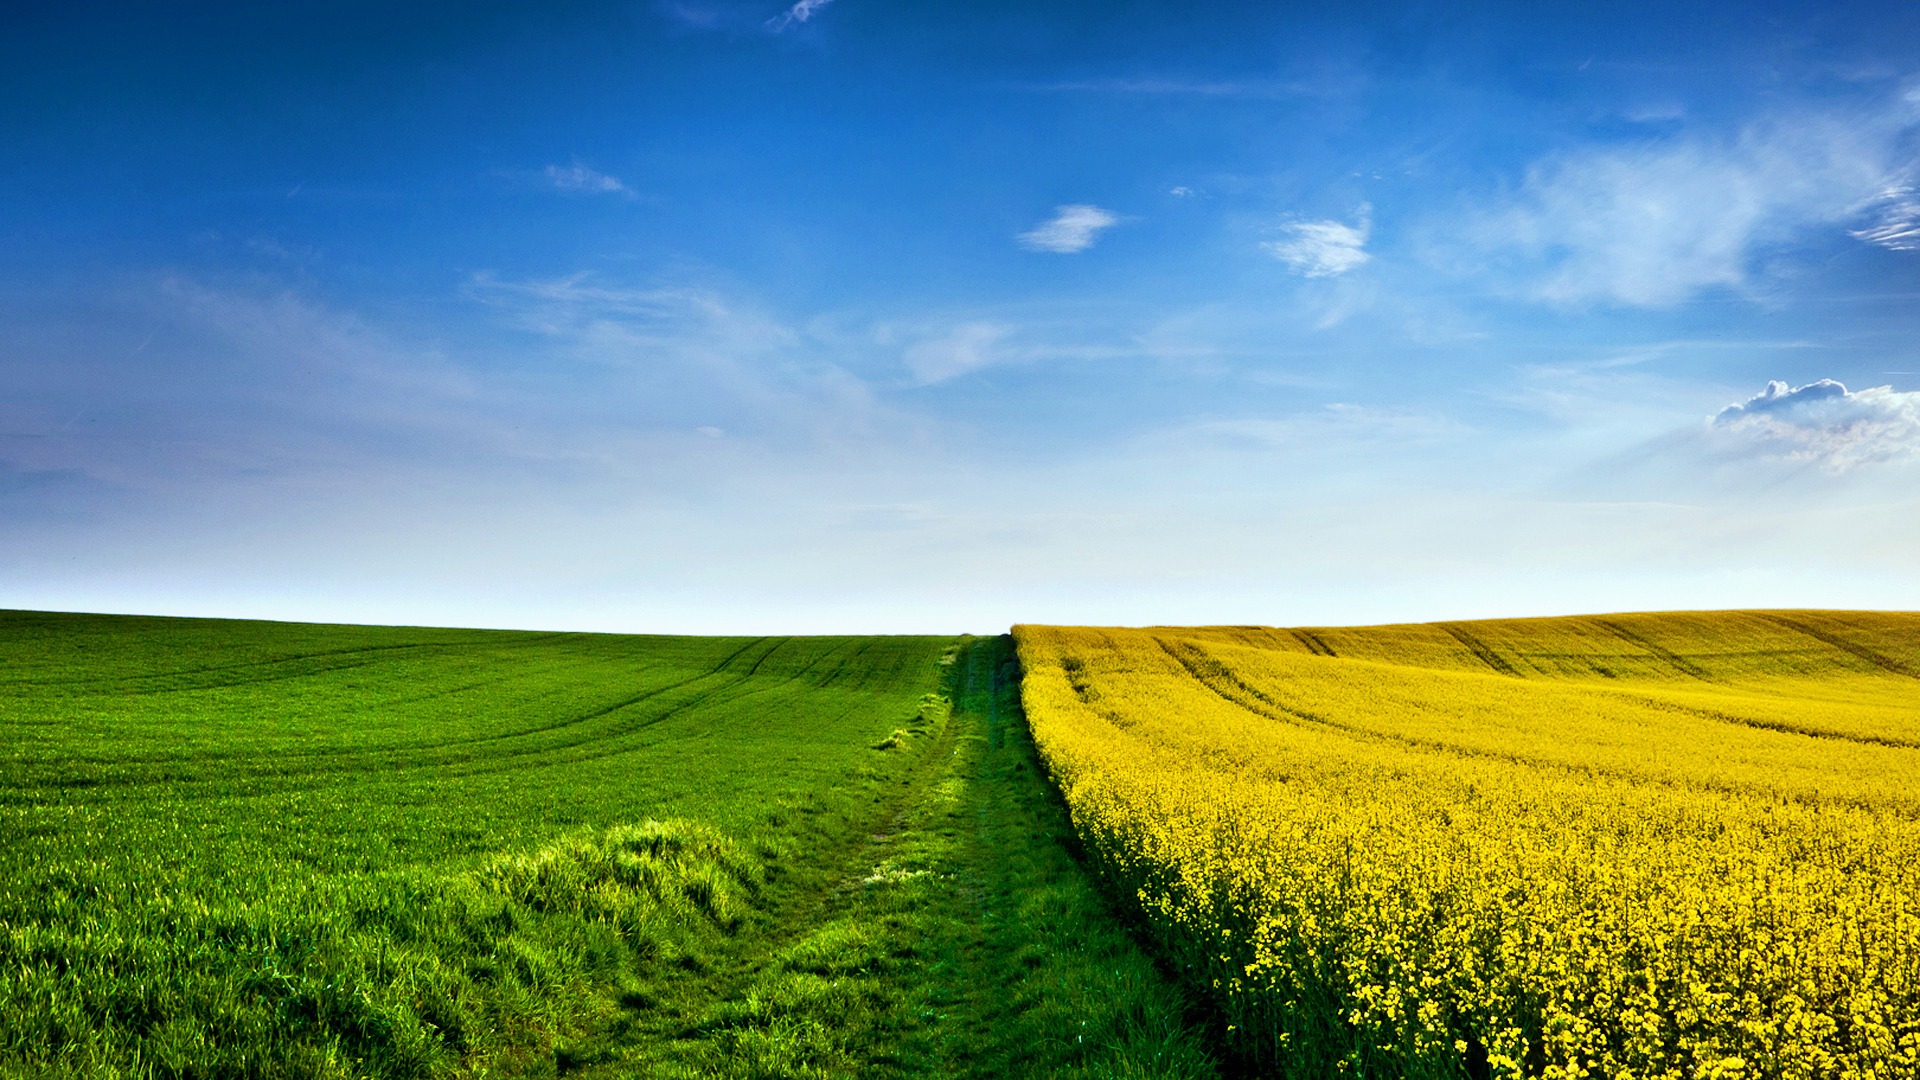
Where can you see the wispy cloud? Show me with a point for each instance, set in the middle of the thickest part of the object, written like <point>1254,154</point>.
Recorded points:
<point>679,356</point>
<point>1072,228</point>
<point>1898,223</point>
<point>1822,423</point>
<point>940,352</point>
<point>966,348</point>
<point>799,13</point>
<point>1324,248</point>
<point>625,325</point>
<point>579,179</point>
<point>1653,223</point>
<point>231,384</point>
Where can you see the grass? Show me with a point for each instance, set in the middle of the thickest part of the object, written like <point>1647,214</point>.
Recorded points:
<point>275,850</point>
<point>967,941</point>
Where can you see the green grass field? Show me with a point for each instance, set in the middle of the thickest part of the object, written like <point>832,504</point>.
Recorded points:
<point>233,849</point>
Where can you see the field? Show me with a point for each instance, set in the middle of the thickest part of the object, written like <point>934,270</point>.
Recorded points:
<point>237,849</point>
<point>1679,845</point>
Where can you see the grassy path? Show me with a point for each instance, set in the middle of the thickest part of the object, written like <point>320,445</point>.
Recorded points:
<point>959,938</point>
<point>274,850</point>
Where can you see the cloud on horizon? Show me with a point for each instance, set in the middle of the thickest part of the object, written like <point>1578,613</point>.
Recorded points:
<point>1324,248</point>
<point>1073,228</point>
<point>1822,423</point>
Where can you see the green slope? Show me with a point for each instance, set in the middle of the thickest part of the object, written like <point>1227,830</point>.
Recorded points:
<point>258,849</point>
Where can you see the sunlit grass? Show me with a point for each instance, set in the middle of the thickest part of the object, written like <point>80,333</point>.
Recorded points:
<point>237,849</point>
<point>265,849</point>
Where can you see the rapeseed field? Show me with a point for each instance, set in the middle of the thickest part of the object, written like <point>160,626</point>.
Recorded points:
<point>1633,846</point>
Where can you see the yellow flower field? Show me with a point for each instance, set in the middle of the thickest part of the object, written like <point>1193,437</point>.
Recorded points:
<point>1628,846</point>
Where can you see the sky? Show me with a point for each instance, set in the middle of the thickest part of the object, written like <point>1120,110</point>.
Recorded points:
<point>729,316</point>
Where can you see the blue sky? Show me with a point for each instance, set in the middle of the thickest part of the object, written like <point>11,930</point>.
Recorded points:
<point>847,315</point>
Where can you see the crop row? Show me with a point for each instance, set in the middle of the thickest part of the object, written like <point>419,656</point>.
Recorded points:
<point>1646,846</point>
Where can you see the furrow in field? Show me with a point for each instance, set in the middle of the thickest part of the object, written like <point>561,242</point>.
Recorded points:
<point>294,752</point>
<point>1217,678</point>
<point>1763,759</point>
<point>1669,657</point>
<point>1780,726</point>
<point>1879,660</point>
<point>410,752</point>
<point>318,662</point>
<point>467,756</point>
<point>1315,644</point>
<point>1480,649</point>
<point>762,658</point>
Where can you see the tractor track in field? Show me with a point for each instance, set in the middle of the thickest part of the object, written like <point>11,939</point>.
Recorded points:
<point>361,656</point>
<point>1229,687</point>
<point>319,768</point>
<point>1771,726</point>
<point>1667,656</point>
<point>788,920</point>
<point>1314,643</point>
<point>1480,649</point>
<point>389,750</point>
<point>1879,660</point>
<point>476,755</point>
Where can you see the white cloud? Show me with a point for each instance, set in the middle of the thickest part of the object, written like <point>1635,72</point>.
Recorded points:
<point>1181,192</point>
<point>1324,248</point>
<point>1898,226</point>
<point>798,13</point>
<point>1073,228</point>
<point>947,349</point>
<point>1652,223</point>
<point>578,178</point>
<point>1822,423</point>
<point>969,347</point>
